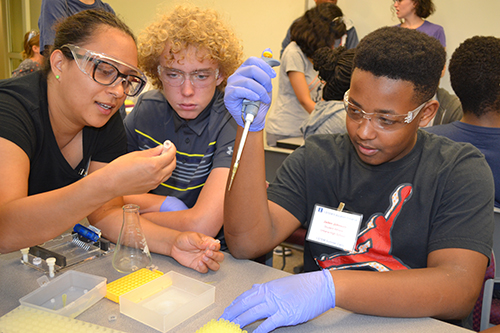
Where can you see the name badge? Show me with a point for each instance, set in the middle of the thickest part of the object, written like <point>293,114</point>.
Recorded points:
<point>334,228</point>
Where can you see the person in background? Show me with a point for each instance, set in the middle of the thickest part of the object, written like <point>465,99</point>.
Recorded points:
<point>423,203</point>
<point>349,40</point>
<point>53,11</point>
<point>32,59</point>
<point>189,54</point>
<point>299,85</point>
<point>413,14</point>
<point>335,68</point>
<point>450,108</point>
<point>63,145</point>
<point>475,77</point>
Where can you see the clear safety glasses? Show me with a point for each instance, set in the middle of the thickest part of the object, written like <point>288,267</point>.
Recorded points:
<point>384,121</point>
<point>103,69</point>
<point>176,78</point>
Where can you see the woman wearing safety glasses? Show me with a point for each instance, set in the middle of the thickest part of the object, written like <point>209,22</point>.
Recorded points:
<point>62,141</point>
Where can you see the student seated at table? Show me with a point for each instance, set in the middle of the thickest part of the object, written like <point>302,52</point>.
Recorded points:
<point>299,85</point>
<point>62,141</point>
<point>475,76</point>
<point>188,53</point>
<point>32,59</point>
<point>425,202</point>
<point>335,68</point>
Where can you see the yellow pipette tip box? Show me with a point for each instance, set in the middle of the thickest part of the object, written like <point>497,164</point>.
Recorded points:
<point>130,282</point>
<point>28,319</point>
<point>220,326</point>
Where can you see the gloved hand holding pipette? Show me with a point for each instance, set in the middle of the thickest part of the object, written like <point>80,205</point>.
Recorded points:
<point>251,83</point>
<point>245,83</point>
<point>284,302</point>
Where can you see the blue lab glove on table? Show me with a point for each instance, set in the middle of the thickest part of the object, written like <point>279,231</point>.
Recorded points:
<point>251,81</point>
<point>172,204</point>
<point>287,301</point>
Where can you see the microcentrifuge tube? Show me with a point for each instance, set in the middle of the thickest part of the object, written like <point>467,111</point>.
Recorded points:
<point>50,263</point>
<point>25,253</point>
<point>131,251</point>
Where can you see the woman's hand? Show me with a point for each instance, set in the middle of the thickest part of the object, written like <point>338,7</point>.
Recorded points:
<point>140,171</point>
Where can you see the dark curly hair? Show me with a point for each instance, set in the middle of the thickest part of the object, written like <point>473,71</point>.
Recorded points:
<point>320,26</point>
<point>334,67</point>
<point>403,54</point>
<point>475,74</point>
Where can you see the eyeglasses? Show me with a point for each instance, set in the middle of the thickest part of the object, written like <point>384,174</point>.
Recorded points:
<point>176,78</point>
<point>103,70</point>
<point>384,121</point>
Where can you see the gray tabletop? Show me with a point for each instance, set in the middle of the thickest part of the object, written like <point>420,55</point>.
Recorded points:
<point>234,277</point>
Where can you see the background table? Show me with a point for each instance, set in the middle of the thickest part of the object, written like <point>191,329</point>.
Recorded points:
<point>234,277</point>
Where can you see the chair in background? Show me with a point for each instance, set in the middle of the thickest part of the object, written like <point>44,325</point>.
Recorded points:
<point>489,307</point>
<point>274,157</point>
<point>295,242</point>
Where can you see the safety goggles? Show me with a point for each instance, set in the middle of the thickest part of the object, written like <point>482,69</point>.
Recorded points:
<point>103,70</point>
<point>176,78</point>
<point>384,121</point>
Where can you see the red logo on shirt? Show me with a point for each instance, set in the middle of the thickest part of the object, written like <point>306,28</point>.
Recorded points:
<point>373,248</point>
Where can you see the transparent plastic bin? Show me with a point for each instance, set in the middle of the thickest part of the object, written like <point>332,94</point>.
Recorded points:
<point>167,301</point>
<point>69,294</point>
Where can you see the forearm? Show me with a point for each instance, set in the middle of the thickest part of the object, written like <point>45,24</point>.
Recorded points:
<point>442,292</point>
<point>187,220</point>
<point>308,104</point>
<point>32,220</point>
<point>301,89</point>
<point>246,213</point>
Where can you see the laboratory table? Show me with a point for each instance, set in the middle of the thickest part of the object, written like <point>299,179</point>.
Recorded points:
<point>234,277</point>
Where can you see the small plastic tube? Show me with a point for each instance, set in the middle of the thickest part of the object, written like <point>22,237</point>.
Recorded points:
<point>166,146</point>
<point>25,252</point>
<point>50,263</point>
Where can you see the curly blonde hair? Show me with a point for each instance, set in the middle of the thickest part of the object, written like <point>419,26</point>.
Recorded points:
<point>189,26</point>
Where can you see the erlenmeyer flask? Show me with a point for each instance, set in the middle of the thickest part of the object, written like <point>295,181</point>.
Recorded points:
<point>131,251</point>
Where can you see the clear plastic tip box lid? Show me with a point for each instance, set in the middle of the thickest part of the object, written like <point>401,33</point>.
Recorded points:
<point>69,294</point>
<point>167,301</point>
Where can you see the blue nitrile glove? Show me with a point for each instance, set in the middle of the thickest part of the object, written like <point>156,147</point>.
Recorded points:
<point>251,81</point>
<point>172,204</point>
<point>287,301</point>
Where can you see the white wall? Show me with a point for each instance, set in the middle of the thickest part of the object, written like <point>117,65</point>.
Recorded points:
<point>258,23</point>
<point>263,23</point>
<point>461,19</point>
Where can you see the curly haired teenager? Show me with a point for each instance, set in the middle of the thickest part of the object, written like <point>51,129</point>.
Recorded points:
<point>188,54</point>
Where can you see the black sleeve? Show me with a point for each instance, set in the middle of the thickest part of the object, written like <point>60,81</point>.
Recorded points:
<point>16,124</point>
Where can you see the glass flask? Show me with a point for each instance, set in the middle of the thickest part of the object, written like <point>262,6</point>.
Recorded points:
<point>131,251</point>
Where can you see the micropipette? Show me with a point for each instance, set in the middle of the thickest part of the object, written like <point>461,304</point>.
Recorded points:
<point>248,113</point>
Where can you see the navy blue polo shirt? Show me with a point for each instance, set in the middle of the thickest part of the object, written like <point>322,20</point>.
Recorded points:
<point>203,143</point>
